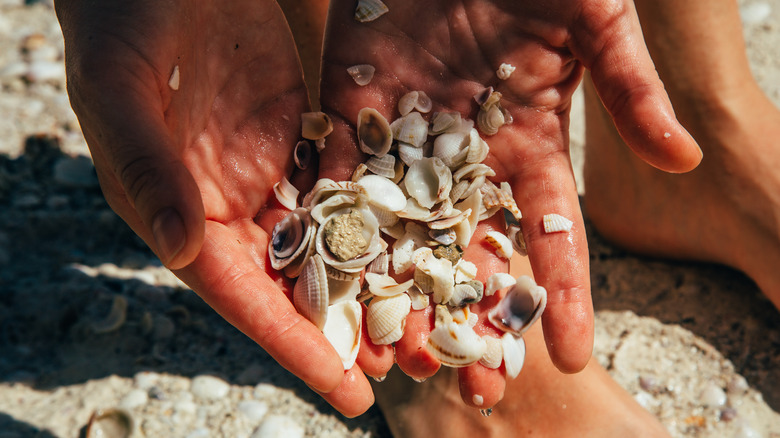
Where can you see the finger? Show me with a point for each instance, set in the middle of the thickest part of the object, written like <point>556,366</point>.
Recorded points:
<point>353,396</point>
<point>231,279</point>
<point>611,46</point>
<point>412,356</point>
<point>481,387</point>
<point>374,360</point>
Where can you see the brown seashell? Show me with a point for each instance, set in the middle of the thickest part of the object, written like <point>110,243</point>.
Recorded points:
<point>373,131</point>
<point>315,125</point>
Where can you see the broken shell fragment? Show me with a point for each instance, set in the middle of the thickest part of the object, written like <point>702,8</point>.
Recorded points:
<point>456,345</point>
<point>505,71</point>
<point>498,281</point>
<point>386,286</point>
<point>520,307</point>
<point>386,318</point>
<point>494,352</point>
<point>374,134</point>
<point>315,125</point>
<point>362,73</point>
<point>286,194</point>
<point>501,243</point>
<point>342,329</point>
<point>554,223</point>
<point>383,192</point>
<point>514,354</point>
<point>302,154</point>
<point>370,10</point>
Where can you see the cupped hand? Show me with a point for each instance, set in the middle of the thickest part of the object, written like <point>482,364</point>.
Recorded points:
<point>451,50</point>
<point>190,164</point>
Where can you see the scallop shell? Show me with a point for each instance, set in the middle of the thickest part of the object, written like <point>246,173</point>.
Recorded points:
<point>411,129</point>
<point>428,181</point>
<point>490,119</point>
<point>343,330</point>
<point>494,352</point>
<point>505,71</point>
<point>382,285</point>
<point>315,125</point>
<point>286,194</point>
<point>369,232</point>
<point>478,148</point>
<point>382,166</point>
<point>493,196</point>
<point>414,100</point>
<point>520,307</point>
<point>451,148</point>
<point>373,131</point>
<point>445,121</point>
<point>514,354</point>
<point>370,10</point>
<point>386,318</point>
<point>302,154</point>
<point>498,281</point>
<point>501,243</point>
<point>362,73</point>
<point>290,238</point>
<point>310,295</point>
<point>554,223</point>
<point>456,345</point>
<point>409,153</point>
<point>383,192</point>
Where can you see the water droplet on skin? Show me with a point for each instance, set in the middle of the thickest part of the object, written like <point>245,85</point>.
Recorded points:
<point>380,379</point>
<point>420,380</point>
<point>486,412</point>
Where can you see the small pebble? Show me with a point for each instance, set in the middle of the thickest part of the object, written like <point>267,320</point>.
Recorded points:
<point>253,410</point>
<point>209,387</point>
<point>713,396</point>
<point>278,426</point>
<point>737,386</point>
<point>41,71</point>
<point>728,414</point>
<point>648,383</point>
<point>134,399</point>
<point>185,407</point>
<point>200,432</point>
<point>75,172</point>
<point>146,379</point>
<point>264,390</point>
<point>156,393</point>
<point>755,13</point>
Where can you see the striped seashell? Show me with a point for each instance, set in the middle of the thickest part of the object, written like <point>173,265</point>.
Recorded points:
<point>478,148</point>
<point>501,243</point>
<point>409,153</point>
<point>411,128</point>
<point>494,352</point>
<point>456,345</point>
<point>554,223</point>
<point>382,166</point>
<point>493,196</point>
<point>452,148</point>
<point>446,121</point>
<point>386,318</point>
<point>370,10</point>
<point>310,295</point>
<point>380,265</point>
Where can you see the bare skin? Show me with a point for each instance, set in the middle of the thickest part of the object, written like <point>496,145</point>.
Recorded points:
<point>724,211</point>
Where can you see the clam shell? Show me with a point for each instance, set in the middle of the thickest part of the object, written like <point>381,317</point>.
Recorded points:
<point>451,148</point>
<point>456,345</point>
<point>428,181</point>
<point>501,243</point>
<point>328,205</point>
<point>411,129</point>
<point>494,352</point>
<point>554,223</point>
<point>342,329</point>
<point>382,166</point>
<point>498,281</point>
<point>369,10</point>
<point>286,194</point>
<point>505,71</point>
<point>446,121</point>
<point>290,238</point>
<point>302,154</point>
<point>409,153</point>
<point>315,125</point>
<point>310,295</point>
<point>478,148</point>
<point>342,290</point>
<point>370,233</point>
<point>414,100</point>
<point>362,73</point>
<point>520,307</point>
<point>386,318</point>
<point>382,285</point>
<point>383,192</point>
<point>440,270</point>
<point>514,354</point>
<point>465,271</point>
<point>490,119</point>
<point>374,134</point>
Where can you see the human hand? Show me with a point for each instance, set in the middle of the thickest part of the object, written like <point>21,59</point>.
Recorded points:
<point>191,169</point>
<point>451,50</point>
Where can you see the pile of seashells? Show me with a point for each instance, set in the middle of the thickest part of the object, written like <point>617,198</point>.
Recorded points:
<point>425,189</point>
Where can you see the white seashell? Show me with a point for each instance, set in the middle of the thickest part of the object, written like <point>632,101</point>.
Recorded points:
<point>446,236</point>
<point>396,231</point>
<point>315,125</point>
<point>110,423</point>
<point>409,153</point>
<point>498,281</point>
<point>520,307</point>
<point>175,79</point>
<point>451,148</point>
<point>490,119</point>
<point>374,133</point>
<point>449,222</point>
<point>493,197</point>
<point>464,294</point>
<point>342,290</point>
<point>446,121</point>
<point>403,249</point>
<point>362,73</point>
<point>441,316</point>
<point>419,300</point>
<point>428,181</point>
<point>478,148</point>
<point>386,318</point>
<point>342,329</point>
<point>515,234</point>
<point>369,233</point>
<point>286,194</point>
<point>554,223</point>
<point>383,192</point>
<point>460,315</point>
<point>411,128</point>
<point>310,295</point>
<point>494,353</point>
<point>414,100</point>
<point>384,217</point>
<point>335,274</point>
<point>386,286</point>
<point>400,171</point>
<point>382,166</point>
<point>465,271</point>
<point>456,345</point>
<point>380,265</point>
<point>327,206</point>
<point>326,187</point>
<point>302,154</point>
<point>514,354</point>
<point>473,203</point>
<point>440,270</point>
<point>471,171</point>
<point>501,243</point>
<point>290,238</point>
<point>505,71</point>
<point>369,10</point>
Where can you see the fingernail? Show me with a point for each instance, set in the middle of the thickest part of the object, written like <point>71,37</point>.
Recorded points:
<point>168,232</point>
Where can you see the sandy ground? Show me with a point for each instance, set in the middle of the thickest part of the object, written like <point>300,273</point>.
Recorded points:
<point>696,344</point>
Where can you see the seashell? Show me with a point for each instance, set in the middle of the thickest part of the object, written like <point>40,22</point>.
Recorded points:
<point>349,239</point>
<point>414,100</point>
<point>446,121</point>
<point>384,217</point>
<point>505,71</point>
<point>409,153</point>
<point>294,268</point>
<point>326,187</point>
<point>498,281</point>
<point>487,213</point>
<point>501,243</point>
<point>286,194</point>
<point>380,265</point>
<point>456,345</point>
<point>423,281</point>
<point>520,307</point>
<point>400,171</point>
<point>514,354</point>
<point>386,286</point>
<point>440,270</point>
<point>441,316</point>
<point>403,249</point>
<point>315,125</point>
<point>342,290</point>
<point>493,197</point>
<point>554,223</point>
<point>335,274</point>
<point>333,203</point>
<point>483,96</point>
<point>290,238</point>
<point>396,231</point>
<point>310,295</point>
<point>445,236</point>
<point>302,154</point>
<point>374,133</point>
<point>115,319</point>
<point>369,10</point>
<point>451,221</point>
<point>478,148</point>
<point>465,293</point>
<point>451,148</point>
<point>419,300</point>
<point>494,352</point>
<point>362,73</point>
<point>515,234</point>
<point>343,330</point>
<point>175,79</point>
<point>490,119</point>
<point>458,190</point>
<point>473,203</point>
<point>428,181</point>
<point>382,166</point>
<point>386,318</point>
<point>414,211</point>
<point>383,192</point>
<point>359,171</point>
<point>465,271</point>
<point>460,315</point>
<point>472,171</point>
<point>110,423</point>
<point>411,129</point>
